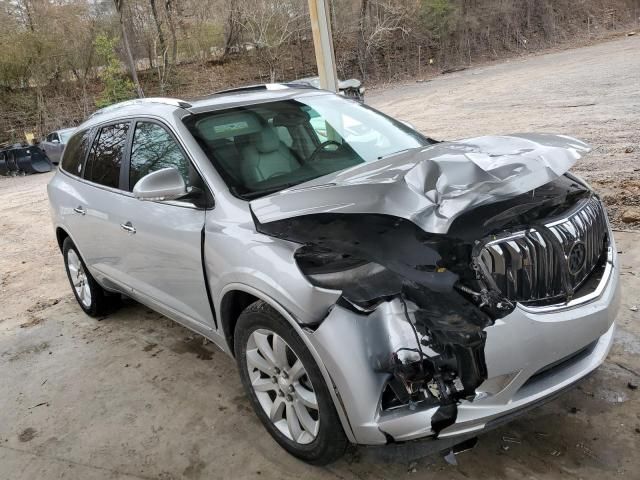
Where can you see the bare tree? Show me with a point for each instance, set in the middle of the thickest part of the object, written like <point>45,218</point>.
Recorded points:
<point>163,68</point>
<point>231,27</point>
<point>269,25</point>
<point>119,4</point>
<point>379,21</point>
<point>81,60</point>
<point>163,44</point>
<point>169,11</point>
<point>362,48</point>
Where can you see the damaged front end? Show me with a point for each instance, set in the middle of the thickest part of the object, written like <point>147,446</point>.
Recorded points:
<point>428,253</point>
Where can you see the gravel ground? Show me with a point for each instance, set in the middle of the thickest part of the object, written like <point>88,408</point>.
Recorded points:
<point>135,396</point>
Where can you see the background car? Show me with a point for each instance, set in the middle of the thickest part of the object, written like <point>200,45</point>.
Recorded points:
<point>54,143</point>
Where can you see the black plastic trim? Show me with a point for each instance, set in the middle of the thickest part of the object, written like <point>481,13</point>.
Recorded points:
<point>206,278</point>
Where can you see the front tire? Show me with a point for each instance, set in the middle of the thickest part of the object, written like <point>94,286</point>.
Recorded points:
<point>91,297</point>
<point>286,387</point>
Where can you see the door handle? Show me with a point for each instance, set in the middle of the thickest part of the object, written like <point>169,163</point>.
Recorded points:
<point>80,210</point>
<point>128,227</point>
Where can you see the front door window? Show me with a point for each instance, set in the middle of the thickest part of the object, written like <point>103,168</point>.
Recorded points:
<point>153,149</point>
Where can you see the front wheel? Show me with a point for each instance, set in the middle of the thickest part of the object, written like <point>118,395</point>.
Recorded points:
<point>286,387</point>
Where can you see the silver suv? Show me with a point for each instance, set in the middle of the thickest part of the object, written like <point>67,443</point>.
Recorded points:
<point>54,143</point>
<point>374,285</point>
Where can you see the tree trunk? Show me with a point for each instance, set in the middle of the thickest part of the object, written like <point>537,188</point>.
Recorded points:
<point>41,109</point>
<point>362,47</point>
<point>27,10</point>
<point>125,41</point>
<point>231,28</point>
<point>82,81</point>
<point>168,7</point>
<point>151,53</point>
<point>85,75</point>
<point>161,40</point>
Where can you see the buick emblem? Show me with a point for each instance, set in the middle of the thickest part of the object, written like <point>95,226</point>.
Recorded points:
<point>577,257</point>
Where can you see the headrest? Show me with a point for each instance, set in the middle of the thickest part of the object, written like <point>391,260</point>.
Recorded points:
<point>225,125</point>
<point>267,140</point>
<point>291,118</point>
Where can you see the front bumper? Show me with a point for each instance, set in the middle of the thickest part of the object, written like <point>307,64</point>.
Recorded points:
<point>531,356</point>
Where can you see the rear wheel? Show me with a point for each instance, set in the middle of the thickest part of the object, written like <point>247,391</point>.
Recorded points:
<point>92,297</point>
<point>286,387</point>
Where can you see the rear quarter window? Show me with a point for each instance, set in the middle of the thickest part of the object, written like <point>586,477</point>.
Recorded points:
<point>75,153</point>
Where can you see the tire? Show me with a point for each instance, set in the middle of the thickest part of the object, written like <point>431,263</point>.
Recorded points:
<point>91,297</point>
<point>287,396</point>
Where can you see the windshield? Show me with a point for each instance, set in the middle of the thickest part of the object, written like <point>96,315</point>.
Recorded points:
<point>260,149</point>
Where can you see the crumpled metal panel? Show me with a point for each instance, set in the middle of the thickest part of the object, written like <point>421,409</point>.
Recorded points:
<point>432,186</point>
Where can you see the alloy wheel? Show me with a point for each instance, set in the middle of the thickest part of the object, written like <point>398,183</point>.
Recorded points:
<point>79,278</point>
<point>282,386</point>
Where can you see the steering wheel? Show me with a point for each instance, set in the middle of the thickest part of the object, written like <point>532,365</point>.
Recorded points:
<point>321,147</point>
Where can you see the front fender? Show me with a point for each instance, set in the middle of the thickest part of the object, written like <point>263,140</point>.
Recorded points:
<point>333,390</point>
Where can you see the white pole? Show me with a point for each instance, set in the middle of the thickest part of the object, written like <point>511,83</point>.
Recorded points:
<point>323,44</point>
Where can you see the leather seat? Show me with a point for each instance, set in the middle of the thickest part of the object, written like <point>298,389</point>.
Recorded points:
<point>226,154</point>
<point>265,156</point>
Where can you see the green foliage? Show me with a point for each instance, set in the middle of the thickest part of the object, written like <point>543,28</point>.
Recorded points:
<point>437,17</point>
<point>117,86</point>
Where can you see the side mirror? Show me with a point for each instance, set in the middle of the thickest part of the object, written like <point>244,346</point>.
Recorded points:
<point>55,140</point>
<point>164,184</point>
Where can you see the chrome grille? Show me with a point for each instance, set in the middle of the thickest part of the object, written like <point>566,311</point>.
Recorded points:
<point>548,261</point>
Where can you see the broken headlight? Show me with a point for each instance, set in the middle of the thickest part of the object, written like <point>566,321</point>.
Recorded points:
<point>364,284</point>
<point>333,270</point>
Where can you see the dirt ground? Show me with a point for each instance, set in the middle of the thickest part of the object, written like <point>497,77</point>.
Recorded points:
<point>135,396</point>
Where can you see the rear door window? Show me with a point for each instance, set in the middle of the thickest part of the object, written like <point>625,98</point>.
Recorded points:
<point>106,155</point>
<point>75,152</point>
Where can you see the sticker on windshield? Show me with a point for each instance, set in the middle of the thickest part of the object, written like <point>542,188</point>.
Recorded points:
<point>231,127</point>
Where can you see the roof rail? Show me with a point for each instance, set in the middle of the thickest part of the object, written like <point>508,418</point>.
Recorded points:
<point>300,84</point>
<point>250,88</point>
<point>175,102</point>
<point>262,86</point>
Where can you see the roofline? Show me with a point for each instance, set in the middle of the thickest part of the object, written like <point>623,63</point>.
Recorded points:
<point>173,102</point>
<point>245,97</point>
<point>196,106</point>
<point>263,86</point>
<point>176,102</point>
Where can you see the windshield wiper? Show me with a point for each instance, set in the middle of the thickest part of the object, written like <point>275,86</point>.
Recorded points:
<point>393,153</point>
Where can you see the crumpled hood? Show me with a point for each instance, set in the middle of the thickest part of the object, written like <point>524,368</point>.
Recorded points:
<point>432,186</point>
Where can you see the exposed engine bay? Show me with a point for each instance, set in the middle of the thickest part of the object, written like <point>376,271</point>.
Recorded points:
<point>448,286</point>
